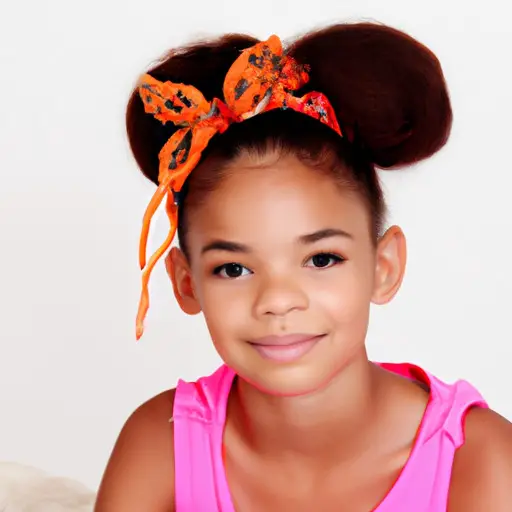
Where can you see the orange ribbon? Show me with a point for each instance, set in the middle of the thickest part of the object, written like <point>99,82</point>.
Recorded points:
<point>261,79</point>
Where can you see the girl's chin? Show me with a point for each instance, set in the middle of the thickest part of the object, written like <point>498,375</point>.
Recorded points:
<point>287,381</point>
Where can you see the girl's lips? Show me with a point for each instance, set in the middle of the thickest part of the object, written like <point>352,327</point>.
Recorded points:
<point>285,348</point>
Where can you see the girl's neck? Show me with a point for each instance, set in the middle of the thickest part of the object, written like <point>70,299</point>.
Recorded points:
<point>312,426</point>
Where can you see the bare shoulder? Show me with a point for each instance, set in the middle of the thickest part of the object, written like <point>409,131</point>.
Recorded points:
<point>482,470</point>
<point>140,472</point>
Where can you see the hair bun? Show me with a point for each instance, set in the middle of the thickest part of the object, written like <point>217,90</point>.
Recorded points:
<point>203,65</point>
<point>388,90</point>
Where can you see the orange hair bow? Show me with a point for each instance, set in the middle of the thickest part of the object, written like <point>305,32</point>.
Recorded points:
<point>260,79</point>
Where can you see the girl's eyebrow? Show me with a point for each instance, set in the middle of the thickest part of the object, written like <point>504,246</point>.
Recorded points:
<point>310,238</point>
<point>227,246</point>
<point>322,234</point>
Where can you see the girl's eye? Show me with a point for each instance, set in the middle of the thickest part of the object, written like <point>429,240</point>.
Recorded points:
<point>324,260</point>
<point>231,271</point>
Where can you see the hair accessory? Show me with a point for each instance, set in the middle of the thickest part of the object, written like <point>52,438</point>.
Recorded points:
<point>261,79</point>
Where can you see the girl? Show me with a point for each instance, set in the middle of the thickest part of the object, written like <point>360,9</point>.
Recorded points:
<point>267,162</point>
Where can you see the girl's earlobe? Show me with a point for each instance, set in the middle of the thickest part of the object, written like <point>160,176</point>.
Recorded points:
<point>180,274</point>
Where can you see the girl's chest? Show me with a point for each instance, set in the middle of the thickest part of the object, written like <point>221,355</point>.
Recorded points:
<point>275,487</point>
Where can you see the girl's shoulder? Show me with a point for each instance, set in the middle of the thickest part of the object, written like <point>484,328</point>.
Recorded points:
<point>140,472</point>
<point>482,469</point>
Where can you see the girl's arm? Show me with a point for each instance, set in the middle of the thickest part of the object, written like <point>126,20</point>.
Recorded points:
<point>140,473</point>
<point>482,470</point>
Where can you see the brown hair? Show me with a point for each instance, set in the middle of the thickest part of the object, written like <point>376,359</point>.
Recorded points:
<point>387,89</point>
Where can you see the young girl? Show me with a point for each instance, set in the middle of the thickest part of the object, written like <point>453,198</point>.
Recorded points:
<point>266,159</point>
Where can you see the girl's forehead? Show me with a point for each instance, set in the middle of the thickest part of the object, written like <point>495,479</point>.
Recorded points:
<point>287,198</point>
<point>276,181</point>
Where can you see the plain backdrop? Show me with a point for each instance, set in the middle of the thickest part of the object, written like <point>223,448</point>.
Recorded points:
<point>72,200</point>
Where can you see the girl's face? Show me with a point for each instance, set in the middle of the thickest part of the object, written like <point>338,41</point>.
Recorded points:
<point>283,267</point>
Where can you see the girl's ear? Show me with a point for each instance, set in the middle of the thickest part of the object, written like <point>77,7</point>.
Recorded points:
<point>178,270</point>
<point>389,265</point>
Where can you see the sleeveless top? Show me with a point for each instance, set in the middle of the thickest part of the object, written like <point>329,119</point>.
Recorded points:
<point>199,416</point>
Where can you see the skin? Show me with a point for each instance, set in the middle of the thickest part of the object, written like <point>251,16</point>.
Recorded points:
<point>351,453</point>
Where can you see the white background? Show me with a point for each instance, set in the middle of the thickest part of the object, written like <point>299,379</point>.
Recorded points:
<point>71,203</point>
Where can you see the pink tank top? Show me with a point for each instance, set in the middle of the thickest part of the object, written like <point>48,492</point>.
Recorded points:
<point>423,485</point>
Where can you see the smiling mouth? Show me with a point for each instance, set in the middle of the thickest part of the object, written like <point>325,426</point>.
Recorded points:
<point>286,349</point>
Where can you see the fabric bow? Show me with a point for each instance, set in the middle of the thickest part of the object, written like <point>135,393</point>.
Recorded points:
<point>261,79</point>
